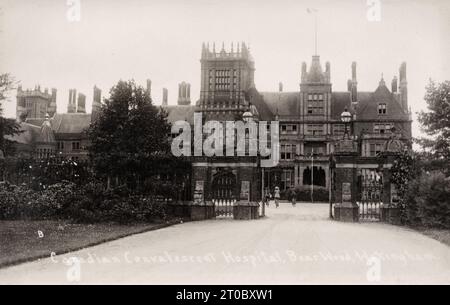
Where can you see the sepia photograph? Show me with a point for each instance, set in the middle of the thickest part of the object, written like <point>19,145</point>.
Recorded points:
<point>224,149</point>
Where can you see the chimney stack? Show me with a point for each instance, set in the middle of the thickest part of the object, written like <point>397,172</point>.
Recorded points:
<point>403,88</point>
<point>280,87</point>
<point>165,97</point>
<point>394,85</point>
<point>72,107</point>
<point>184,94</point>
<point>81,106</point>
<point>149,87</point>
<point>96,103</point>
<point>303,77</point>
<point>52,106</point>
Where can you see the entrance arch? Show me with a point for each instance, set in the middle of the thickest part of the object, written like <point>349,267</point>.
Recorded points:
<point>318,177</point>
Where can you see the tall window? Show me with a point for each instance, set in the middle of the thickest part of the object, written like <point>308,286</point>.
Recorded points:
<point>223,79</point>
<point>287,151</point>
<point>288,129</point>
<point>315,104</point>
<point>381,108</point>
<point>375,148</point>
<point>76,145</point>
<point>60,145</point>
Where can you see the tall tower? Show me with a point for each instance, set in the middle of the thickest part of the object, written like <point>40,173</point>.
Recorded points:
<point>315,91</point>
<point>35,104</point>
<point>226,77</point>
<point>184,94</point>
<point>72,106</point>
<point>403,87</point>
<point>96,103</point>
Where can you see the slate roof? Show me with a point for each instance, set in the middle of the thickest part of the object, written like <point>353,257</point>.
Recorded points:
<point>283,103</point>
<point>29,133</point>
<point>71,122</point>
<point>339,101</point>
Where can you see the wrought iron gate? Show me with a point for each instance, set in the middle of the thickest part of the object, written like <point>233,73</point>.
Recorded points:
<point>371,195</point>
<point>223,194</point>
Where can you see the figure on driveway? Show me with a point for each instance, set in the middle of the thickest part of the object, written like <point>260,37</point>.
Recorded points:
<point>277,196</point>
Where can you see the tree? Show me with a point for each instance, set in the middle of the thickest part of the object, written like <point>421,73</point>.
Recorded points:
<point>436,122</point>
<point>7,126</point>
<point>127,135</point>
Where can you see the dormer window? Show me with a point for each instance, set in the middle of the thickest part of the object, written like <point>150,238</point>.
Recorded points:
<point>381,108</point>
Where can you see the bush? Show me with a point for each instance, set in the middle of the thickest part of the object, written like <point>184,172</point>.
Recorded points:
<point>428,201</point>
<point>303,193</point>
<point>88,204</point>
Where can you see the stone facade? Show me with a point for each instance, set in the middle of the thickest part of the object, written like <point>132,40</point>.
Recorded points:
<point>310,119</point>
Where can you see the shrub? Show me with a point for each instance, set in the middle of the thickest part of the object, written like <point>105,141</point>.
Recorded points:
<point>303,193</point>
<point>428,201</point>
<point>87,204</point>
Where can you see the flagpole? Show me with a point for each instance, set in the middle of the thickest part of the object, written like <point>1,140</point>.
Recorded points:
<point>315,27</point>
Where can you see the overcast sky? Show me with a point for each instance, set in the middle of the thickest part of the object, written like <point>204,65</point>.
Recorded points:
<point>161,40</point>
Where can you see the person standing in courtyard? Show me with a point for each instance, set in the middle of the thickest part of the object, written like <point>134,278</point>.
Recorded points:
<point>277,196</point>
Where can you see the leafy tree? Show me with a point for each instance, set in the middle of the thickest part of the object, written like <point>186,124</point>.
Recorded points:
<point>7,126</point>
<point>127,135</point>
<point>436,122</point>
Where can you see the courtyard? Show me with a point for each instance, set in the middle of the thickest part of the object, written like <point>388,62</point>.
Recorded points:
<point>292,245</point>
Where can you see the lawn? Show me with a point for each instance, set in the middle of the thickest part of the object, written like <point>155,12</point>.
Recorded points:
<point>22,241</point>
<point>441,235</point>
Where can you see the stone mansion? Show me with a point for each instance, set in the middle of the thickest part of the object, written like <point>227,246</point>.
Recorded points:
<point>309,119</point>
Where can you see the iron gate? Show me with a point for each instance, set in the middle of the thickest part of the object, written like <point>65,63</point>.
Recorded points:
<point>371,195</point>
<point>223,194</point>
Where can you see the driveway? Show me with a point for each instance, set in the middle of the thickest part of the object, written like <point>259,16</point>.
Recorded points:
<point>293,245</point>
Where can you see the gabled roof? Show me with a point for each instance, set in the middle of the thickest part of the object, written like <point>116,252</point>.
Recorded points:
<point>367,108</point>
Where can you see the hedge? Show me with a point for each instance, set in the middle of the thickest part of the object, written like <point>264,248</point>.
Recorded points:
<point>89,203</point>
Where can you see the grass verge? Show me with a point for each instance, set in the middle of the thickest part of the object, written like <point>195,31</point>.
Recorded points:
<point>23,241</point>
<point>441,235</point>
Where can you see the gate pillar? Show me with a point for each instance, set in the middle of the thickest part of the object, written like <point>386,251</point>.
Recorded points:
<point>345,188</point>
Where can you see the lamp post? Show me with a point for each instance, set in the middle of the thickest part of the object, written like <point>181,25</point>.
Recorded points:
<point>2,166</point>
<point>312,174</point>
<point>346,118</point>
